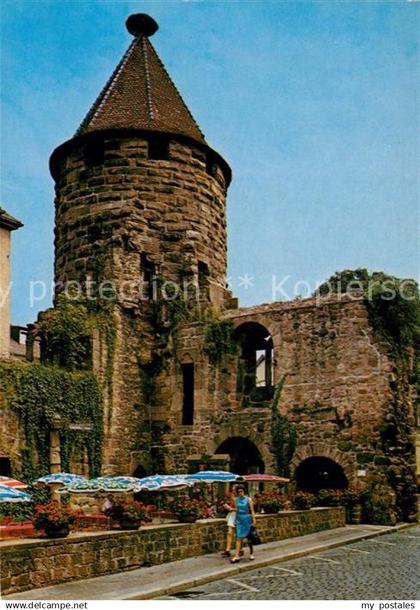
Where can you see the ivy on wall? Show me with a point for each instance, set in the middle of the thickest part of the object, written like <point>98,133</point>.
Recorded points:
<point>393,307</point>
<point>283,434</point>
<point>66,334</point>
<point>219,340</point>
<point>65,331</point>
<point>40,394</point>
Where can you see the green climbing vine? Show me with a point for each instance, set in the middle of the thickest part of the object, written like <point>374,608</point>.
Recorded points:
<point>219,340</point>
<point>39,395</point>
<point>393,307</point>
<point>283,434</point>
<point>65,332</point>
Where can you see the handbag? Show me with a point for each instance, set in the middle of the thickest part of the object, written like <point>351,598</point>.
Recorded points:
<point>253,536</point>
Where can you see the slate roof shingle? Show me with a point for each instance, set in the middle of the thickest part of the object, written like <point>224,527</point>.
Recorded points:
<point>141,95</point>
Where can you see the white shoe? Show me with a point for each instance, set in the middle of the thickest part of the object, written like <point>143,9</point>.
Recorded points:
<point>251,557</point>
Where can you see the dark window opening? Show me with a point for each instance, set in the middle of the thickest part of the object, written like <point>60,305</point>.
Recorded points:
<point>5,467</point>
<point>318,472</point>
<point>211,166</point>
<point>149,273</point>
<point>139,472</point>
<point>94,153</point>
<point>203,280</point>
<point>159,149</point>
<point>188,394</point>
<point>255,367</point>
<point>245,457</point>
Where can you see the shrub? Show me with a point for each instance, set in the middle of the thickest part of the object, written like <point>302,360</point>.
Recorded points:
<point>271,502</point>
<point>186,507</point>
<point>52,513</point>
<point>330,497</point>
<point>303,500</point>
<point>128,509</point>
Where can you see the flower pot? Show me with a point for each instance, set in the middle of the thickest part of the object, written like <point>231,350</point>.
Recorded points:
<point>54,530</point>
<point>187,518</point>
<point>129,524</point>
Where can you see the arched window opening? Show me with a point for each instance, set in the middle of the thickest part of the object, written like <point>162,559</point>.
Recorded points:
<point>317,473</point>
<point>255,366</point>
<point>245,458</point>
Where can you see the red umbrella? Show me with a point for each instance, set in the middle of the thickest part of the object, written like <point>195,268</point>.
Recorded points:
<point>265,478</point>
<point>9,482</point>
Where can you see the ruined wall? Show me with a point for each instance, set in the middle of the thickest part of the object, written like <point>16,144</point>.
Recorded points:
<point>337,393</point>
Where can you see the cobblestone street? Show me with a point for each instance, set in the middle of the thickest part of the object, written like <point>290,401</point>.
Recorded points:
<point>386,567</point>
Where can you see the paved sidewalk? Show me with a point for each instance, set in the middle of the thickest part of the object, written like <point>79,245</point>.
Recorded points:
<point>167,578</point>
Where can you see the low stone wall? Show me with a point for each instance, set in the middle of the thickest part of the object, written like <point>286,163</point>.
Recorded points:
<point>28,564</point>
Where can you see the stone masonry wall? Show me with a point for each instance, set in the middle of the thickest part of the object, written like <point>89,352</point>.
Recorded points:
<point>172,211</point>
<point>337,391</point>
<point>40,563</point>
<point>109,216</point>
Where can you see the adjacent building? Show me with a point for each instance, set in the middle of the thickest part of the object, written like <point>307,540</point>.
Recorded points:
<point>7,225</point>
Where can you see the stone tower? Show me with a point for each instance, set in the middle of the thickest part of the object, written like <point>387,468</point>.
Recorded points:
<point>139,195</point>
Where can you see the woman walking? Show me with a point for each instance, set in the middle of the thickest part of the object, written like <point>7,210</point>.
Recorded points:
<point>245,518</point>
<point>230,519</point>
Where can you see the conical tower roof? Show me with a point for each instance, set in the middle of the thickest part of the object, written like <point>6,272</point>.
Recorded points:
<point>140,93</point>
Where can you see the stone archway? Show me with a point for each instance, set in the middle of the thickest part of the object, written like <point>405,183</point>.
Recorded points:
<point>255,363</point>
<point>320,472</point>
<point>245,457</point>
<point>346,460</point>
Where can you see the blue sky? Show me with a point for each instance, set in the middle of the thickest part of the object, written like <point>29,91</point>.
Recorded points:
<point>312,103</point>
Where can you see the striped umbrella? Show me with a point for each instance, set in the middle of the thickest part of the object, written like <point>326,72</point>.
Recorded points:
<point>60,477</point>
<point>91,486</point>
<point>265,478</point>
<point>104,484</point>
<point>9,482</point>
<point>9,494</point>
<point>157,482</point>
<point>213,476</point>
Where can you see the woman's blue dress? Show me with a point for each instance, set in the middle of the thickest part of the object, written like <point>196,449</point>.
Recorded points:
<point>243,517</point>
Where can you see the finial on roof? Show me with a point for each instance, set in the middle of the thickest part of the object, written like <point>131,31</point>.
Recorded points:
<point>141,24</point>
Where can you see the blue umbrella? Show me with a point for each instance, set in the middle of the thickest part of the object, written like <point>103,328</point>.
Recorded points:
<point>60,477</point>
<point>9,494</point>
<point>82,486</point>
<point>213,476</point>
<point>105,484</point>
<point>157,482</point>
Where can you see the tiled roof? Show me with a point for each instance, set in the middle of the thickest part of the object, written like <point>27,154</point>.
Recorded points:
<point>9,222</point>
<point>141,95</point>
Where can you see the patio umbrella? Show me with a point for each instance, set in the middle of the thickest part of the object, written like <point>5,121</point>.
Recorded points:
<point>103,484</point>
<point>9,482</point>
<point>265,478</point>
<point>9,494</point>
<point>213,476</point>
<point>121,480</point>
<point>62,478</point>
<point>159,482</point>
